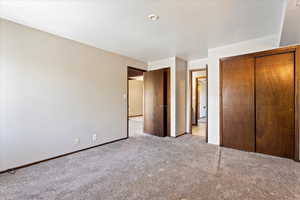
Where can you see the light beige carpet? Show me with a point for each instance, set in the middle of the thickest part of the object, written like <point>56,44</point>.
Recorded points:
<point>149,167</point>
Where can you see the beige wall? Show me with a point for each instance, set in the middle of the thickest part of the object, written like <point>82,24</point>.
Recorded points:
<point>54,90</point>
<point>136,97</point>
<point>181,85</point>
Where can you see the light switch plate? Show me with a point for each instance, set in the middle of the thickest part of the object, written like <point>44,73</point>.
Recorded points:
<point>94,137</point>
<point>77,141</point>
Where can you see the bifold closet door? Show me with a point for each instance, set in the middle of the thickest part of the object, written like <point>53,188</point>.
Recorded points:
<point>237,102</point>
<point>275,104</point>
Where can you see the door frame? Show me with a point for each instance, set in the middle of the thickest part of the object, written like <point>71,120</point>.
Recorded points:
<point>136,69</point>
<point>197,98</point>
<point>191,99</point>
<point>296,51</point>
<point>166,130</point>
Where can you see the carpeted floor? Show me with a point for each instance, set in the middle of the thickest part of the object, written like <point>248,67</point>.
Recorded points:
<point>148,167</point>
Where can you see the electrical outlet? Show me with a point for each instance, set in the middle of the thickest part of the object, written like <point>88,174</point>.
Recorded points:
<point>94,137</point>
<point>77,141</point>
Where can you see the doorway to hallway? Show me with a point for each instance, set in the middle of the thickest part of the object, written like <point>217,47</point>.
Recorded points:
<point>148,102</point>
<point>199,85</point>
<point>135,108</point>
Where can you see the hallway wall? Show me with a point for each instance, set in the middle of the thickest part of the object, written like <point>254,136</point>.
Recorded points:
<point>202,99</point>
<point>135,97</point>
<point>181,86</point>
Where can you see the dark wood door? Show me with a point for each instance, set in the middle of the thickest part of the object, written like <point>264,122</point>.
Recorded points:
<point>237,103</point>
<point>156,102</point>
<point>275,105</point>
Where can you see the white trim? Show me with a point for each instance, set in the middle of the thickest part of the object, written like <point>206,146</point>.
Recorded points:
<point>171,63</point>
<point>197,64</point>
<point>160,64</point>
<point>283,14</point>
<point>267,41</point>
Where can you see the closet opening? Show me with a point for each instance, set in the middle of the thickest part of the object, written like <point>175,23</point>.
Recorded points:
<point>259,102</point>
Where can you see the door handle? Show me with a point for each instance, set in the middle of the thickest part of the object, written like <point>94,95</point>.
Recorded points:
<point>163,106</point>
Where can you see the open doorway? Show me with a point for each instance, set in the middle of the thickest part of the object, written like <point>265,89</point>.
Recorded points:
<point>135,108</point>
<point>199,100</point>
<point>157,101</point>
<point>148,102</point>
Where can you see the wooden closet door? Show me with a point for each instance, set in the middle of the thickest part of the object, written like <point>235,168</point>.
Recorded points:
<point>237,103</point>
<point>275,105</point>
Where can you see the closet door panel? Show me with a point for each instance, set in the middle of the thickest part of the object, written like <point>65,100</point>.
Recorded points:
<point>237,103</point>
<point>275,105</point>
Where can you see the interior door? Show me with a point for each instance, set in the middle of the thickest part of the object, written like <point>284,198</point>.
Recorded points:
<point>237,103</point>
<point>275,105</point>
<point>156,103</point>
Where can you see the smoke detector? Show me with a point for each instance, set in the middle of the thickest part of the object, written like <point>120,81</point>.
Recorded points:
<point>298,3</point>
<point>153,17</point>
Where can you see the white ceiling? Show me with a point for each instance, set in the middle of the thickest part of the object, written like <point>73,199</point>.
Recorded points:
<point>238,20</point>
<point>291,28</point>
<point>186,28</point>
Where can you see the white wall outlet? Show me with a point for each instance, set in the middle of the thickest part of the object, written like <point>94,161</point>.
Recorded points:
<point>124,96</point>
<point>77,141</point>
<point>94,137</point>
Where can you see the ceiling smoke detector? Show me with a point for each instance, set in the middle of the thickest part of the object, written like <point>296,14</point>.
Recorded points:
<point>153,17</point>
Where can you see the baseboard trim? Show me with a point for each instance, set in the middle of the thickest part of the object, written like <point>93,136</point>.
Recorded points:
<point>297,159</point>
<point>181,134</point>
<point>59,156</point>
<point>135,116</point>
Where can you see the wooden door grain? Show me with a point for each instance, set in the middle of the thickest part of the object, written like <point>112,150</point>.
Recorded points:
<point>156,101</point>
<point>237,103</point>
<point>274,82</point>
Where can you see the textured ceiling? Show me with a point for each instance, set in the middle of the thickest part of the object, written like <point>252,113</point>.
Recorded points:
<point>291,28</point>
<point>185,29</point>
